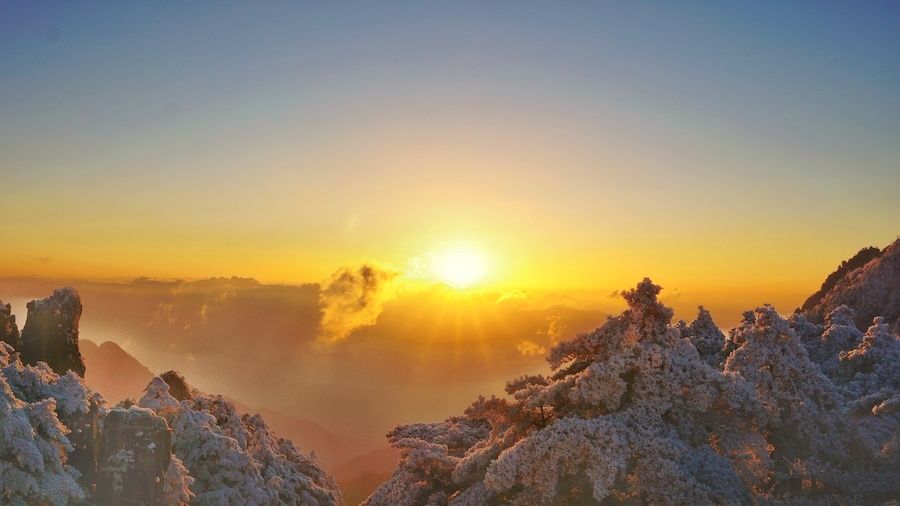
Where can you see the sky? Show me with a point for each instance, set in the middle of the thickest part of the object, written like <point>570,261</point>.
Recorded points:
<point>420,199</point>
<point>719,147</point>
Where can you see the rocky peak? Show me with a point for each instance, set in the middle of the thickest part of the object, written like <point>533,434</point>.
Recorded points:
<point>9,331</point>
<point>868,283</point>
<point>178,387</point>
<point>134,451</point>
<point>51,332</point>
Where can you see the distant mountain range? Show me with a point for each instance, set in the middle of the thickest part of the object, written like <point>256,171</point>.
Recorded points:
<point>61,442</point>
<point>118,375</point>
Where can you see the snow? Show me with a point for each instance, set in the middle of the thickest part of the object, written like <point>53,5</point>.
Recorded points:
<point>643,410</point>
<point>234,459</point>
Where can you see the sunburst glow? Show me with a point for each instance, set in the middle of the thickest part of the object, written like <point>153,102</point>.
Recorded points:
<point>460,267</point>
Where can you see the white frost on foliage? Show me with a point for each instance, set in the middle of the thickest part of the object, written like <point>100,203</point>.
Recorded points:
<point>632,412</point>
<point>705,336</point>
<point>643,411</point>
<point>873,365</point>
<point>33,442</point>
<point>177,488</point>
<point>234,459</point>
<point>871,290</point>
<point>117,466</point>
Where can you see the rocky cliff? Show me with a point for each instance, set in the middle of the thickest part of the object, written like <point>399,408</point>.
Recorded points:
<point>51,332</point>
<point>9,331</point>
<point>134,451</point>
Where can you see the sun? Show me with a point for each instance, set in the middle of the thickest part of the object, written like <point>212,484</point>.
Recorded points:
<point>460,267</point>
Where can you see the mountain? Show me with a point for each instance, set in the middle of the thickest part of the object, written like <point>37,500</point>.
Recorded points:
<point>361,475</point>
<point>797,409</point>
<point>118,375</point>
<point>329,448</point>
<point>60,444</point>
<point>868,283</point>
<point>113,372</point>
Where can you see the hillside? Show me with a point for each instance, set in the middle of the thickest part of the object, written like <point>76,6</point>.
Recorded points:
<point>361,475</point>
<point>118,375</point>
<point>61,443</point>
<point>869,283</point>
<point>784,410</point>
<point>111,371</point>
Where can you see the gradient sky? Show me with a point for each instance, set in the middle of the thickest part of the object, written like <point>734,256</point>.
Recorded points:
<point>582,145</point>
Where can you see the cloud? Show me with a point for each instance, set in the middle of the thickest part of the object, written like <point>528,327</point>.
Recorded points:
<point>423,337</point>
<point>530,348</point>
<point>219,301</point>
<point>555,328</point>
<point>353,298</point>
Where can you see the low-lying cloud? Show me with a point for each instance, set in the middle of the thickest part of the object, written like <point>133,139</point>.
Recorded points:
<point>353,298</point>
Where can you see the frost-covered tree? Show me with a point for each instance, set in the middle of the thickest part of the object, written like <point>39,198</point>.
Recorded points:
<point>234,459</point>
<point>869,283</point>
<point>177,491</point>
<point>873,365</point>
<point>33,442</point>
<point>632,413</point>
<point>643,411</point>
<point>705,336</point>
<point>825,346</point>
<point>60,445</point>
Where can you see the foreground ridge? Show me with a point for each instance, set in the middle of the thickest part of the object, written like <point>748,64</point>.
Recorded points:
<point>640,409</point>
<point>60,444</point>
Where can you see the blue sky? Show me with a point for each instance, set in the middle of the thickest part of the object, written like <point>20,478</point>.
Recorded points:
<point>231,124</point>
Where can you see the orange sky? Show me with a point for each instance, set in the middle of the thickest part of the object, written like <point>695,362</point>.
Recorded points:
<point>745,155</point>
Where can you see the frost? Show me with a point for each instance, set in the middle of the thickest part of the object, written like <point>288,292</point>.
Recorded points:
<point>117,466</point>
<point>644,411</point>
<point>234,459</point>
<point>632,412</point>
<point>705,336</point>
<point>178,482</point>
<point>33,442</point>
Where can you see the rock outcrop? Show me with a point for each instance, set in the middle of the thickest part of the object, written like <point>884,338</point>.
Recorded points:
<point>134,452</point>
<point>868,283</point>
<point>9,331</point>
<point>50,334</point>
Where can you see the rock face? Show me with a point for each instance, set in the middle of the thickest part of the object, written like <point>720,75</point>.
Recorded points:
<point>134,451</point>
<point>9,331</point>
<point>868,283</point>
<point>51,332</point>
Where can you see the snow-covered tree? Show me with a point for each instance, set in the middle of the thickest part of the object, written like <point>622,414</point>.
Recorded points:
<point>873,365</point>
<point>643,411</point>
<point>234,459</point>
<point>33,442</point>
<point>632,412</point>
<point>705,336</point>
